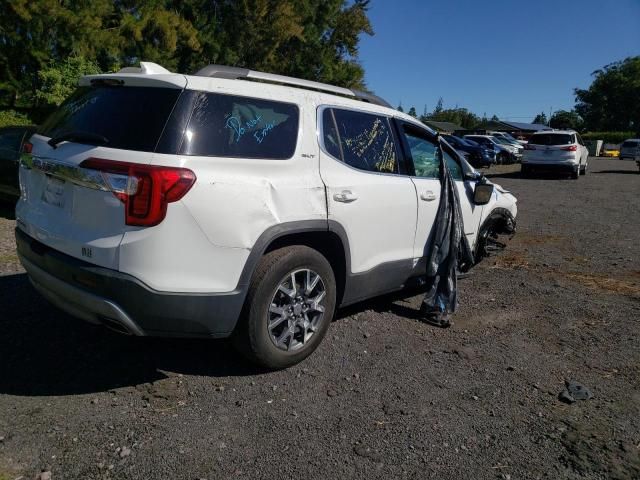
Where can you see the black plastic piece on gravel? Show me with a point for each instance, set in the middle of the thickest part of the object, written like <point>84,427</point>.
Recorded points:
<point>573,392</point>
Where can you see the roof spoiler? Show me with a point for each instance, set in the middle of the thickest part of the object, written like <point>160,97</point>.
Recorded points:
<point>145,68</point>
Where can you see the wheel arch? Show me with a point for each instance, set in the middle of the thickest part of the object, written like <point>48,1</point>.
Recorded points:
<point>327,237</point>
<point>499,221</point>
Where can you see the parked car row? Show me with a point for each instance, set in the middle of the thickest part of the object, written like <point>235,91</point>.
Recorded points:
<point>629,149</point>
<point>506,151</point>
<point>487,149</point>
<point>477,155</point>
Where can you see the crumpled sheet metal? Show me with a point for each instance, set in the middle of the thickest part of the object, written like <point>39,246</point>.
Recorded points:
<point>450,249</point>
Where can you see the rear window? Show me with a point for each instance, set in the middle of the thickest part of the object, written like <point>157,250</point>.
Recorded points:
<point>552,139</point>
<point>130,118</point>
<point>630,144</point>
<point>243,127</point>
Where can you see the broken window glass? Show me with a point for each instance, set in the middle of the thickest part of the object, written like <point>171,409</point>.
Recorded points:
<point>365,141</point>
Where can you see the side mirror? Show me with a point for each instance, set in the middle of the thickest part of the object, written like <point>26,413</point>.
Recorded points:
<point>473,175</point>
<point>482,193</point>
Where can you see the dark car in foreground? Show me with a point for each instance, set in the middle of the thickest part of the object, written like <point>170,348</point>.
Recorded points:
<point>11,141</point>
<point>477,155</point>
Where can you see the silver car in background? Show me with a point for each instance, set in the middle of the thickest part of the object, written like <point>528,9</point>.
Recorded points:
<point>630,149</point>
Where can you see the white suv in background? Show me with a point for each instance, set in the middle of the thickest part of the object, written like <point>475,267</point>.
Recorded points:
<point>557,150</point>
<point>233,203</point>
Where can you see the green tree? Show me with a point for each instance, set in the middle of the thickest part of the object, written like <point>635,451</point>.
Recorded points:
<point>10,118</point>
<point>400,109</point>
<point>58,80</point>
<point>612,100</point>
<point>312,39</point>
<point>439,107</point>
<point>38,33</point>
<point>541,119</point>
<point>459,116</point>
<point>563,119</point>
<point>412,112</point>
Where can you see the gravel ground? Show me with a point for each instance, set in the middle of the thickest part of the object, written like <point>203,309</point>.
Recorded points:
<point>385,396</point>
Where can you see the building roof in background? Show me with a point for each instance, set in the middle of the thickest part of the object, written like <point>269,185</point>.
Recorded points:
<point>443,126</point>
<point>531,127</point>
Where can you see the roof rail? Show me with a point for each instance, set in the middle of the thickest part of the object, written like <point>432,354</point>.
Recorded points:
<point>234,73</point>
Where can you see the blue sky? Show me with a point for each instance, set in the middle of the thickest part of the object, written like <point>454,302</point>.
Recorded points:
<point>508,58</point>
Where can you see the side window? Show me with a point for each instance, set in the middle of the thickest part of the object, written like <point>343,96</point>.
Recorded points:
<point>361,140</point>
<point>453,166</point>
<point>241,127</point>
<point>579,139</point>
<point>331,139</point>
<point>424,155</point>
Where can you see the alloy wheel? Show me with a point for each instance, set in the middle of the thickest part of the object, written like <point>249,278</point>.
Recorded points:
<point>296,309</point>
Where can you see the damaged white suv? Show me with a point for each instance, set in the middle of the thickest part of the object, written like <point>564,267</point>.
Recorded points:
<point>232,203</point>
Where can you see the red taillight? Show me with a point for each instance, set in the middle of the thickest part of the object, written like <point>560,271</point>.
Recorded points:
<point>27,147</point>
<point>570,148</point>
<point>145,190</point>
<point>529,147</point>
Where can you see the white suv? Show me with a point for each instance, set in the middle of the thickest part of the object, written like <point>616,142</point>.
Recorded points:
<point>232,203</point>
<point>557,150</point>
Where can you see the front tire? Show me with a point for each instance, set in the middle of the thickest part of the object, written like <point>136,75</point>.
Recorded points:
<point>289,306</point>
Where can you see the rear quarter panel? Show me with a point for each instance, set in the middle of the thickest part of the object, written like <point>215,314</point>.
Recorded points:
<point>235,200</point>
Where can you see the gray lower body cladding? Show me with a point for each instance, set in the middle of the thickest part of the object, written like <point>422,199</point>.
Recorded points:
<point>103,296</point>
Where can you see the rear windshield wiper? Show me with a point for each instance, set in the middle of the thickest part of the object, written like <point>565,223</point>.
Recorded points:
<point>80,137</point>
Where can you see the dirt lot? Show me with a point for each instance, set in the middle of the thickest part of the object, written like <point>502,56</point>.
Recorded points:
<point>385,396</point>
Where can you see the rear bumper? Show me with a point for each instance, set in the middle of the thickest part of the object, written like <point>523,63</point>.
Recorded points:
<point>119,301</point>
<point>564,166</point>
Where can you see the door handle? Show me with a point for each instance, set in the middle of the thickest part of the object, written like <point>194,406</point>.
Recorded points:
<point>428,196</point>
<point>345,196</point>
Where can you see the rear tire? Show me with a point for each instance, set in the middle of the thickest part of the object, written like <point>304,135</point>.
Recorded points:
<point>583,169</point>
<point>273,330</point>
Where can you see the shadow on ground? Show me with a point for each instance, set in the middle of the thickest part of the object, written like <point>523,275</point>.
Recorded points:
<point>7,209</point>
<point>44,351</point>
<point>530,176</point>
<point>623,172</point>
